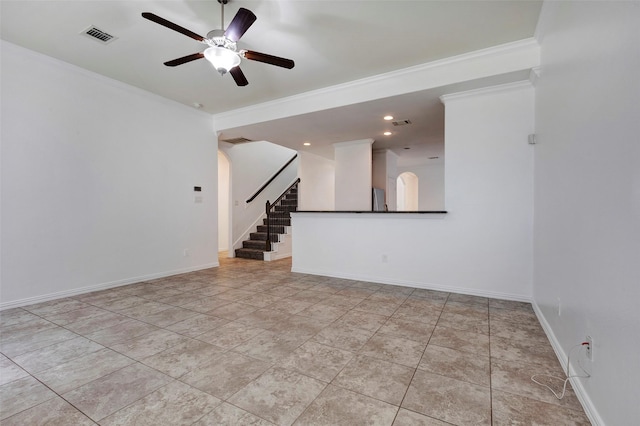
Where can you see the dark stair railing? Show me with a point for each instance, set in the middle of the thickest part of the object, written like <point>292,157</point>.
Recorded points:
<point>269,207</point>
<point>272,179</point>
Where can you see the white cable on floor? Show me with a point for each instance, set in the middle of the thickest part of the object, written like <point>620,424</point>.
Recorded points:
<point>565,381</point>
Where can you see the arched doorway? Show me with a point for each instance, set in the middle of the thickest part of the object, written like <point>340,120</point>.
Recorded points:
<point>407,192</point>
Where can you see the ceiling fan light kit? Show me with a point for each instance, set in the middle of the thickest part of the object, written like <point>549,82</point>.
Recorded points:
<point>222,52</point>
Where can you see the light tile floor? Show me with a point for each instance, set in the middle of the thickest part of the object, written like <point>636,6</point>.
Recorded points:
<point>251,343</point>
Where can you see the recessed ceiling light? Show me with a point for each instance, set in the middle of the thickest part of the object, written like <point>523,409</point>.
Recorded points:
<point>307,144</point>
<point>406,147</point>
<point>387,133</point>
<point>388,117</point>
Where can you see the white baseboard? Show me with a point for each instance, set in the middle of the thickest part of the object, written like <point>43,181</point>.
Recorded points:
<point>102,286</point>
<point>417,284</point>
<point>589,409</point>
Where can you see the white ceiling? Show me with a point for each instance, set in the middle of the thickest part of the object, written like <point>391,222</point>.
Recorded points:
<point>331,42</point>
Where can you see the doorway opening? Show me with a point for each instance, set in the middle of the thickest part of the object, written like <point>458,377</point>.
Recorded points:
<point>407,192</point>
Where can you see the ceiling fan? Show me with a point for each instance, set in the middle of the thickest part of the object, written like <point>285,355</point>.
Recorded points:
<point>222,51</point>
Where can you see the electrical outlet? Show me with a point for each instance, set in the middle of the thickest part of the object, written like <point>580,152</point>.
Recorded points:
<point>589,348</point>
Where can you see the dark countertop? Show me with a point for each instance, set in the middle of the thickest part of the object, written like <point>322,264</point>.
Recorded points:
<point>372,212</point>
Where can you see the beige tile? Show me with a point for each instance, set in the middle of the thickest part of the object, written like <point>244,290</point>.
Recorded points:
<point>56,354</point>
<point>394,349</point>
<point>412,330</point>
<point>228,415</point>
<point>364,320</point>
<point>512,350</point>
<point>518,330</point>
<point>235,295</point>
<point>22,394</point>
<point>310,296</point>
<point>323,313</point>
<point>173,404</point>
<point>180,300</point>
<point>230,335</point>
<point>232,311</point>
<point>343,337</point>
<point>466,341</point>
<point>480,312</point>
<point>149,344</point>
<point>434,295</point>
<point>98,322</point>
<point>225,375</point>
<point>409,312</point>
<point>449,400</point>
<point>261,300</point>
<point>290,306</point>
<point>299,327</point>
<point>318,361</point>
<point>79,371</point>
<point>337,406</point>
<point>182,358</point>
<point>206,304</point>
<point>120,303</point>
<point>509,409</point>
<point>472,368</point>
<point>468,299</point>
<point>269,346</point>
<point>168,316</point>
<point>464,322</point>
<point>75,315</point>
<point>341,301</point>
<point>278,395</point>
<point>54,412</point>
<point>145,309</point>
<point>513,315</point>
<point>378,379</point>
<point>110,393</point>
<point>10,371</point>
<point>263,318</point>
<point>9,317</point>
<point>411,418</point>
<point>197,325</point>
<point>55,307</point>
<point>31,342</point>
<point>121,332</point>
<point>510,304</point>
<point>377,307</point>
<point>25,328</point>
<point>515,377</point>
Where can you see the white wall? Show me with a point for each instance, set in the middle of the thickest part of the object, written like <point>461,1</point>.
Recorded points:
<point>252,165</point>
<point>431,184</point>
<point>353,162</point>
<point>587,195</point>
<point>482,246</point>
<point>224,191</point>
<point>317,182</point>
<point>97,181</point>
<point>407,184</point>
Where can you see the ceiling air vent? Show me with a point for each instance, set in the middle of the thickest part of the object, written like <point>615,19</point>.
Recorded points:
<point>98,35</point>
<point>401,122</point>
<point>236,141</point>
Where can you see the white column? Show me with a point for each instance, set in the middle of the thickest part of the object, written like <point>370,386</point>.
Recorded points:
<point>353,175</point>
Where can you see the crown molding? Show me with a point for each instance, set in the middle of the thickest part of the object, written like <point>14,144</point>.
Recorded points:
<point>504,58</point>
<point>502,88</point>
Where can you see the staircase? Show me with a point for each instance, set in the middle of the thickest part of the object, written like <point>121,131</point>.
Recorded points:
<point>280,222</point>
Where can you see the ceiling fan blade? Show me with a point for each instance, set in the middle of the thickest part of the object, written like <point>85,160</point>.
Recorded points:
<point>171,25</point>
<point>184,59</point>
<point>240,24</point>
<point>238,76</point>
<point>269,59</point>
